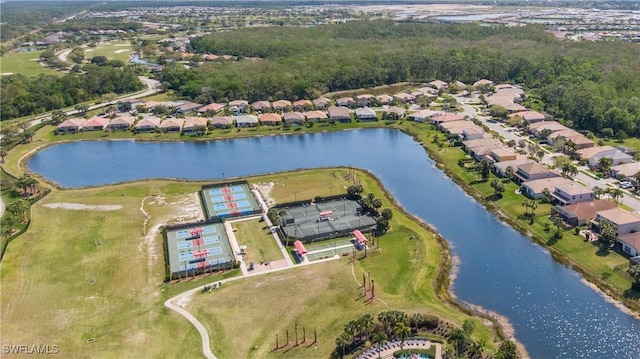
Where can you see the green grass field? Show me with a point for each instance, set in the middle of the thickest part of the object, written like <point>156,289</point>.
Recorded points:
<point>116,50</point>
<point>24,63</point>
<point>91,281</point>
<point>261,246</point>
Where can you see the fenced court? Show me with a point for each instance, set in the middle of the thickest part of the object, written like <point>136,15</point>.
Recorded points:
<point>227,200</point>
<point>317,221</point>
<point>329,248</point>
<point>197,248</point>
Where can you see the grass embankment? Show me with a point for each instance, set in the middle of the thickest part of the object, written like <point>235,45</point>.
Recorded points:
<point>91,281</point>
<point>244,317</point>
<point>607,271</point>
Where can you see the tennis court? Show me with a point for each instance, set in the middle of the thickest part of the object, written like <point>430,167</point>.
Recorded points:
<point>318,221</point>
<point>229,200</point>
<point>197,248</point>
<point>329,248</point>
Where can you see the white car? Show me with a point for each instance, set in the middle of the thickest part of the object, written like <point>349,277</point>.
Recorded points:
<point>626,185</point>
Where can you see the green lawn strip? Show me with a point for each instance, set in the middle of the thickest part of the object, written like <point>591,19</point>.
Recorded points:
<point>261,246</point>
<point>25,63</point>
<point>110,51</point>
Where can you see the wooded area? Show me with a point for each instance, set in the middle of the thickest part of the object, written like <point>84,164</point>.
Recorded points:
<point>594,85</point>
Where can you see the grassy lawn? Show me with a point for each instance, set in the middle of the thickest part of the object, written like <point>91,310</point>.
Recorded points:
<point>324,296</point>
<point>116,50</point>
<point>25,63</point>
<point>261,246</point>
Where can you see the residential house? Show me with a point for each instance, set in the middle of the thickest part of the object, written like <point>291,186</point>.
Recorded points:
<point>536,188</point>
<point>545,128</point>
<point>446,117</point>
<point>339,114</point>
<point>394,113</point>
<point>500,167</point>
<point>448,127</point>
<point>428,92</point>
<point>422,115</point>
<point>581,213</point>
<point>617,158</point>
<point>482,142</point>
<point>147,124</point>
<point>282,105</point>
<point>345,102</point>
<point>71,125</point>
<point>195,125</point>
<point>502,154</point>
<point>366,114</point>
<point>293,118</point>
<point>121,123</point>
<point>261,106</point>
<point>630,243</point>
<point>219,122</point>
<point>482,84</point>
<point>212,108</point>
<point>625,170</point>
<point>365,100</point>
<point>238,106</point>
<point>438,85</point>
<point>572,193</point>
<point>579,140</point>
<point>316,116</point>
<point>321,103</point>
<point>624,222</point>
<point>533,171</point>
<point>187,107</point>
<point>586,153</point>
<point>171,125</point>
<point>246,121</point>
<point>270,119</point>
<point>302,105</point>
<point>95,124</point>
<point>384,99</point>
<point>128,104</point>
<point>529,116</point>
<point>404,97</point>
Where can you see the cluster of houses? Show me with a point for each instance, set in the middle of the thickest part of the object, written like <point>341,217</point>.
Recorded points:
<point>188,117</point>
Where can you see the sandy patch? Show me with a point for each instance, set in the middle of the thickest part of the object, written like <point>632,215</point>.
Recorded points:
<point>265,191</point>
<point>83,207</point>
<point>88,50</point>
<point>34,59</point>
<point>6,73</point>
<point>121,51</point>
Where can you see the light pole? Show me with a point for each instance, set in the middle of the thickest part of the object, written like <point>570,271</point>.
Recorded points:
<point>331,189</point>
<point>295,196</point>
<point>223,176</point>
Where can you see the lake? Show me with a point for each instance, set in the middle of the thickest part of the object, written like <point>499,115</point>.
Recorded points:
<point>554,314</point>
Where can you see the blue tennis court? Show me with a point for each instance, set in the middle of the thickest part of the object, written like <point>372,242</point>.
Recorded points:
<point>183,234</point>
<point>226,190</point>
<point>210,229</point>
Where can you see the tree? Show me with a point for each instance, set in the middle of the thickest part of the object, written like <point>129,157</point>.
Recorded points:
<point>58,117</point>
<point>47,55</point>
<point>547,195</point>
<point>498,188</point>
<point>99,60</point>
<point>82,109</point>
<point>569,170</point>
<point>607,132</point>
<point>355,190</point>
<point>598,192</point>
<point>558,223</point>
<point>458,336</point>
<point>366,321</point>
<point>604,164</point>
<point>475,350</point>
<point>379,338</point>
<point>3,153</point>
<point>76,55</point>
<point>607,235</point>
<point>18,209</point>
<point>402,331</point>
<point>485,169</point>
<point>387,213</point>
<point>342,341</point>
<point>507,350</point>
<point>468,326</point>
<point>621,136</point>
<point>615,193</point>
<point>509,172</point>
<point>634,272</point>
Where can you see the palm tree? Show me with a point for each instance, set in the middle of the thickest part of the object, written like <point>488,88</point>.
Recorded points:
<point>342,341</point>
<point>485,169</point>
<point>599,192</point>
<point>403,331</point>
<point>351,328</point>
<point>509,172</point>
<point>475,350</point>
<point>607,235</point>
<point>458,336</point>
<point>634,272</point>
<point>605,164</point>
<point>379,338</point>
<point>616,194</point>
<point>18,209</point>
<point>366,322</point>
<point>3,153</point>
<point>636,178</point>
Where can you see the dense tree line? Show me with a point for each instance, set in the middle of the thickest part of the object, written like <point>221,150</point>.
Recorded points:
<point>22,96</point>
<point>591,84</point>
<point>93,24</point>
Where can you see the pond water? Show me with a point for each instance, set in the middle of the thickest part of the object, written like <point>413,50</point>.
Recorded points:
<point>554,314</point>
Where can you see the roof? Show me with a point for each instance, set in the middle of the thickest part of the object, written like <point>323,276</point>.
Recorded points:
<point>365,96</point>
<point>300,247</point>
<point>585,210</point>
<point>513,163</point>
<point>384,98</point>
<point>247,119</point>
<point>483,82</point>
<point>500,152</point>
<point>260,105</point>
<point>171,122</point>
<point>339,112</point>
<point>222,120</point>
<point>321,101</point>
<point>550,183</point>
<point>587,153</point>
<point>574,189</point>
<point>148,122</point>
<point>404,96</point>
<point>270,117</point>
<point>72,122</point>
<point>303,103</point>
<point>457,124</point>
<point>239,103</point>
<point>312,115</point>
<point>481,142</point>
<point>533,168</point>
<point>293,117</point>
<point>195,121</point>
<point>280,104</point>
<point>325,213</point>
<point>628,169</point>
<point>397,110</point>
<point>619,216</point>
<point>96,122</point>
<point>344,101</point>
<point>359,236</point>
<point>631,239</point>
<point>424,114</point>
<point>529,115</point>
<point>438,84</point>
<point>365,112</point>
<point>188,105</point>
<point>123,120</point>
<point>215,107</point>
<point>446,117</point>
